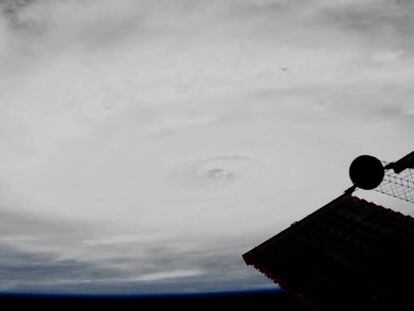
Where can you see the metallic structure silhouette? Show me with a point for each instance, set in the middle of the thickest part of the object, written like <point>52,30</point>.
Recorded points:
<point>350,254</point>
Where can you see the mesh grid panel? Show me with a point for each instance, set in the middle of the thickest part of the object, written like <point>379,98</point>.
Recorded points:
<point>400,185</point>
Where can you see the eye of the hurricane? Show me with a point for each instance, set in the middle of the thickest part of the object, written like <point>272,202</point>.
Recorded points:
<point>217,170</point>
<point>219,175</point>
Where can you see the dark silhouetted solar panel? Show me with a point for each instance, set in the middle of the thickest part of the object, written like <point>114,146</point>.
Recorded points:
<point>348,255</point>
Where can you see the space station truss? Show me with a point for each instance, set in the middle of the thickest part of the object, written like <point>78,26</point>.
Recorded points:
<point>399,185</point>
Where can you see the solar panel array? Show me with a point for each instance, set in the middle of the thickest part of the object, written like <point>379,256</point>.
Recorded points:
<point>348,255</point>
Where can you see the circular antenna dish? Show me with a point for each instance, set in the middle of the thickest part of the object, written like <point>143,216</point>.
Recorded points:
<point>366,172</point>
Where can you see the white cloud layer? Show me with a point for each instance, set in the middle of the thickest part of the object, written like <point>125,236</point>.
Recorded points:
<point>137,131</point>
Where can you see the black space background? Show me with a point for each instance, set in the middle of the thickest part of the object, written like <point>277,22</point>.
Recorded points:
<point>256,300</point>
